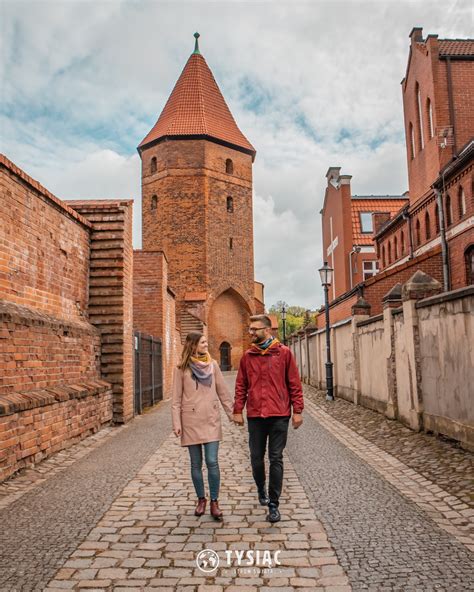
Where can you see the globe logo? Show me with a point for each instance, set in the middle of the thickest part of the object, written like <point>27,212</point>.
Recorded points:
<point>207,560</point>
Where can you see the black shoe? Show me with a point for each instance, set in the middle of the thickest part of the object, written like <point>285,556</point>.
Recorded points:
<point>273,513</point>
<point>263,498</point>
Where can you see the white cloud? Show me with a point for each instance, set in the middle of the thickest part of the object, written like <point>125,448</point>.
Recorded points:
<point>82,84</point>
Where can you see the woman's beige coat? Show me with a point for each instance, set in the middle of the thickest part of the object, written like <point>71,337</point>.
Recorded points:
<point>196,409</point>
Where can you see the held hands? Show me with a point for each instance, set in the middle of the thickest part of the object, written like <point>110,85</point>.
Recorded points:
<point>238,419</point>
<point>297,420</point>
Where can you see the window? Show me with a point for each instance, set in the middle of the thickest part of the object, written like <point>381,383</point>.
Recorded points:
<point>229,167</point>
<point>153,165</point>
<point>469,259</point>
<point>420,117</point>
<point>411,133</point>
<point>449,213</point>
<point>154,202</point>
<point>366,222</point>
<point>402,242</point>
<point>461,202</point>
<point>437,219</point>
<point>395,247</point>
<point>427,226</point>
<point>383,256</point>
<point>231,243</point>
<point>230,204</point>
<point>369,268</point>
<point>429,110</point>
<point>389,252</point>
<point>417,233</point>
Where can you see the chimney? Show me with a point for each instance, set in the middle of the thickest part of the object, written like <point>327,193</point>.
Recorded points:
<point>416,35</point>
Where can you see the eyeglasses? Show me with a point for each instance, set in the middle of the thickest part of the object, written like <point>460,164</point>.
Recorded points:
<point>255,329</point>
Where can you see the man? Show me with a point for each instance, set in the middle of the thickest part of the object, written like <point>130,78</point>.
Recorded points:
<point>269,384</point>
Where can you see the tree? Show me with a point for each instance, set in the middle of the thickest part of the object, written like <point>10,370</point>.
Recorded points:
<point>296,317</point>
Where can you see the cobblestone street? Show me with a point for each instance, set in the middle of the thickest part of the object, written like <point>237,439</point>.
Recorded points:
<point>361,510</point>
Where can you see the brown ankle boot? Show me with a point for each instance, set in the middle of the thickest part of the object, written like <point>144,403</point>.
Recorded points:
<point>200,507</point>
<point>216,513</point>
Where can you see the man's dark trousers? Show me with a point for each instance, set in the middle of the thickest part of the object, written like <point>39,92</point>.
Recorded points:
<point>275,431</point>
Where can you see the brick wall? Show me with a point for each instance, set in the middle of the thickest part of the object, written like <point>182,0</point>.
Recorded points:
<point>111,294</point>
<point>35,425</point>
<point>51,392</point>
<point>39,351</point>
<point>154,308</point>
<point>44,249</point>
<point>374,289</point>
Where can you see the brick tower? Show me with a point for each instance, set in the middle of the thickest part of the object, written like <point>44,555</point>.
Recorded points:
<point>197,209</point>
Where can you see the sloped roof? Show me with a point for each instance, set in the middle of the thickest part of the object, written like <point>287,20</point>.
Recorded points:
<point>196,107</point>
<point>456,47</point>
<point>372,204</point>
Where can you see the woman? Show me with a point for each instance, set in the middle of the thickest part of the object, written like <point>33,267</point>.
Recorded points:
<point>197,387</point>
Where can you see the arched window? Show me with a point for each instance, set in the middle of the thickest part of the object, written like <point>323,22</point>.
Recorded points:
<point>449,213</point>
<point>469,260</point>
<point>153,165</point>
<point>461,202</point>
<point>420,117</point>
<point>154,202</point>
<point>411,133</point>
<point>427,226</point>
<point>437,219</point>
<point>402,242</point>
<point>429,113</point>
<point>417,233</point>
<point>383,256</point>
<point>389,252</point>
<point>229,167</point>
<point>230,204</point>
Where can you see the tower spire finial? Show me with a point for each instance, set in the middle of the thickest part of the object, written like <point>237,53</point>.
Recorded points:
<point>196,43</point>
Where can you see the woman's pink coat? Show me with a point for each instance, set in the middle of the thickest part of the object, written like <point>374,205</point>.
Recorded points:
<point>196,409</point>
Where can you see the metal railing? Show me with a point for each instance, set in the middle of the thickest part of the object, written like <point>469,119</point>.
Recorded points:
<point>148,368</point>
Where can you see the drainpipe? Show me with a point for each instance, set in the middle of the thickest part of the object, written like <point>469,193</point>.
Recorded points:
<point>444,243</point>
<point>355,250</point>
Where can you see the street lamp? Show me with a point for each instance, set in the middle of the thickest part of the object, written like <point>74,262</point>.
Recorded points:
<point>326,279</point>
<point>283,320</point>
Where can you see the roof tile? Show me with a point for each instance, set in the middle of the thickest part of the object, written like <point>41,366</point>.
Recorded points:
<point>196,107</point>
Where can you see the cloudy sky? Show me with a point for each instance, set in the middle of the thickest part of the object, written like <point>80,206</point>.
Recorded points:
<point>311,84</point>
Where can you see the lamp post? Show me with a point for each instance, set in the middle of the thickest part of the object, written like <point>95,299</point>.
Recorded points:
<point>326,279</point>
<point>283,320</point>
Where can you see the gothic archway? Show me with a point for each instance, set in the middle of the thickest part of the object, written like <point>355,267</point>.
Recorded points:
<point>228,323</point>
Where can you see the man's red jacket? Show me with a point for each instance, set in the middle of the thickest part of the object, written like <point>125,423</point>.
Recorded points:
<point>269,384</point>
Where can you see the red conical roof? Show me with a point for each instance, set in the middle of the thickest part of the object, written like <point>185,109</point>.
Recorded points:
<point>196,107</point>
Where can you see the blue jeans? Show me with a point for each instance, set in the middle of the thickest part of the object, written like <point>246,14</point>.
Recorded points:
<point>211,450</point>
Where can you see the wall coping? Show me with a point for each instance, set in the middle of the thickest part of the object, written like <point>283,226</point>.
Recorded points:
<point>370,320</point>
<point>24,400</point>
<point>446,297</point>
<point>10,312</point>
<point>15,170</point>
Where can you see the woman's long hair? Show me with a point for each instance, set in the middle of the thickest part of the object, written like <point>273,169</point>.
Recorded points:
<point>189,348</point>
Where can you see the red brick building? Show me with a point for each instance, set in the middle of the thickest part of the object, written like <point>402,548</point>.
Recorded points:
<point>347,226</point>
<point>197,214</point>
<point>438,103</point>
<point>432,228</point>
<point>65,318</point>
